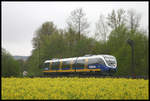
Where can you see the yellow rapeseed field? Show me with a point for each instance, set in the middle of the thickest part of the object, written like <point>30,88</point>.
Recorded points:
<point>74,88</point>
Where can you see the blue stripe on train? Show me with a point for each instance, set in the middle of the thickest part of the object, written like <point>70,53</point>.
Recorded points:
<point>95,66</point>
<point>77,67</point>
<point>67,68</point>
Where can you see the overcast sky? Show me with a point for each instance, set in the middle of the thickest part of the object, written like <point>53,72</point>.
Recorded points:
<point>20,20</point>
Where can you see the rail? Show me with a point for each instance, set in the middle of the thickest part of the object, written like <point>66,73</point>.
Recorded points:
<point>97,76</point>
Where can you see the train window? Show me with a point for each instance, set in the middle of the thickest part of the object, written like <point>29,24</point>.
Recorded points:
<point>79,63</point>
<point>65,64</point>
<point>55,65</point>
<point>46,65</point>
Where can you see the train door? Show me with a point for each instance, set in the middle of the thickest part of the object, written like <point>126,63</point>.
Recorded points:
<point>79,65</point>
<point>55,65</point>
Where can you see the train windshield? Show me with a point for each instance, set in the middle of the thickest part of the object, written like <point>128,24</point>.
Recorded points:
<point>111,61</point>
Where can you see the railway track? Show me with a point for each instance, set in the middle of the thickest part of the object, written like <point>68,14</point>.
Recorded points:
<point>129,77</point>
<point>97,76</point>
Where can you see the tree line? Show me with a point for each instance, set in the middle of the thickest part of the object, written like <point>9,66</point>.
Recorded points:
<point>110,37</point>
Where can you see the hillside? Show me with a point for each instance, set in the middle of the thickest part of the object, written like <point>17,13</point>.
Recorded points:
<point>21,57</point>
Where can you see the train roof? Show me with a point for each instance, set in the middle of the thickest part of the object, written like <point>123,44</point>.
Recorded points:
<point>81,57</point>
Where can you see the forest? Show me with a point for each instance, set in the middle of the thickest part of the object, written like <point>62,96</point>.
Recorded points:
<point>110,37</point>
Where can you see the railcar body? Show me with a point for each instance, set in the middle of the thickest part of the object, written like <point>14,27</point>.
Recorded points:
<point>92,63</point>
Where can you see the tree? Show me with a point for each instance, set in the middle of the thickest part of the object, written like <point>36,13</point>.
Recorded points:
<point>48,43</point>
<point>41,38</point>
<point>101,29</point>
<point>78,22</point>
<point>117,38</point>
<point>116,19</point>
<point>47,29</point>
<point>10,66</point>
<point>133,20</point>
<point>71,36</point>
<point>121,18</point>
<point>22,65</point>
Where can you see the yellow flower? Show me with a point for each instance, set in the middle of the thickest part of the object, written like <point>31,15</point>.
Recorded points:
<point>74,88</point>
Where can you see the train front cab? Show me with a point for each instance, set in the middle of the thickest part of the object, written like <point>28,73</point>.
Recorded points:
<point>111,64</point>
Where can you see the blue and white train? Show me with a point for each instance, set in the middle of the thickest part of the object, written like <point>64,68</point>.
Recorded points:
<point>87,63</point>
